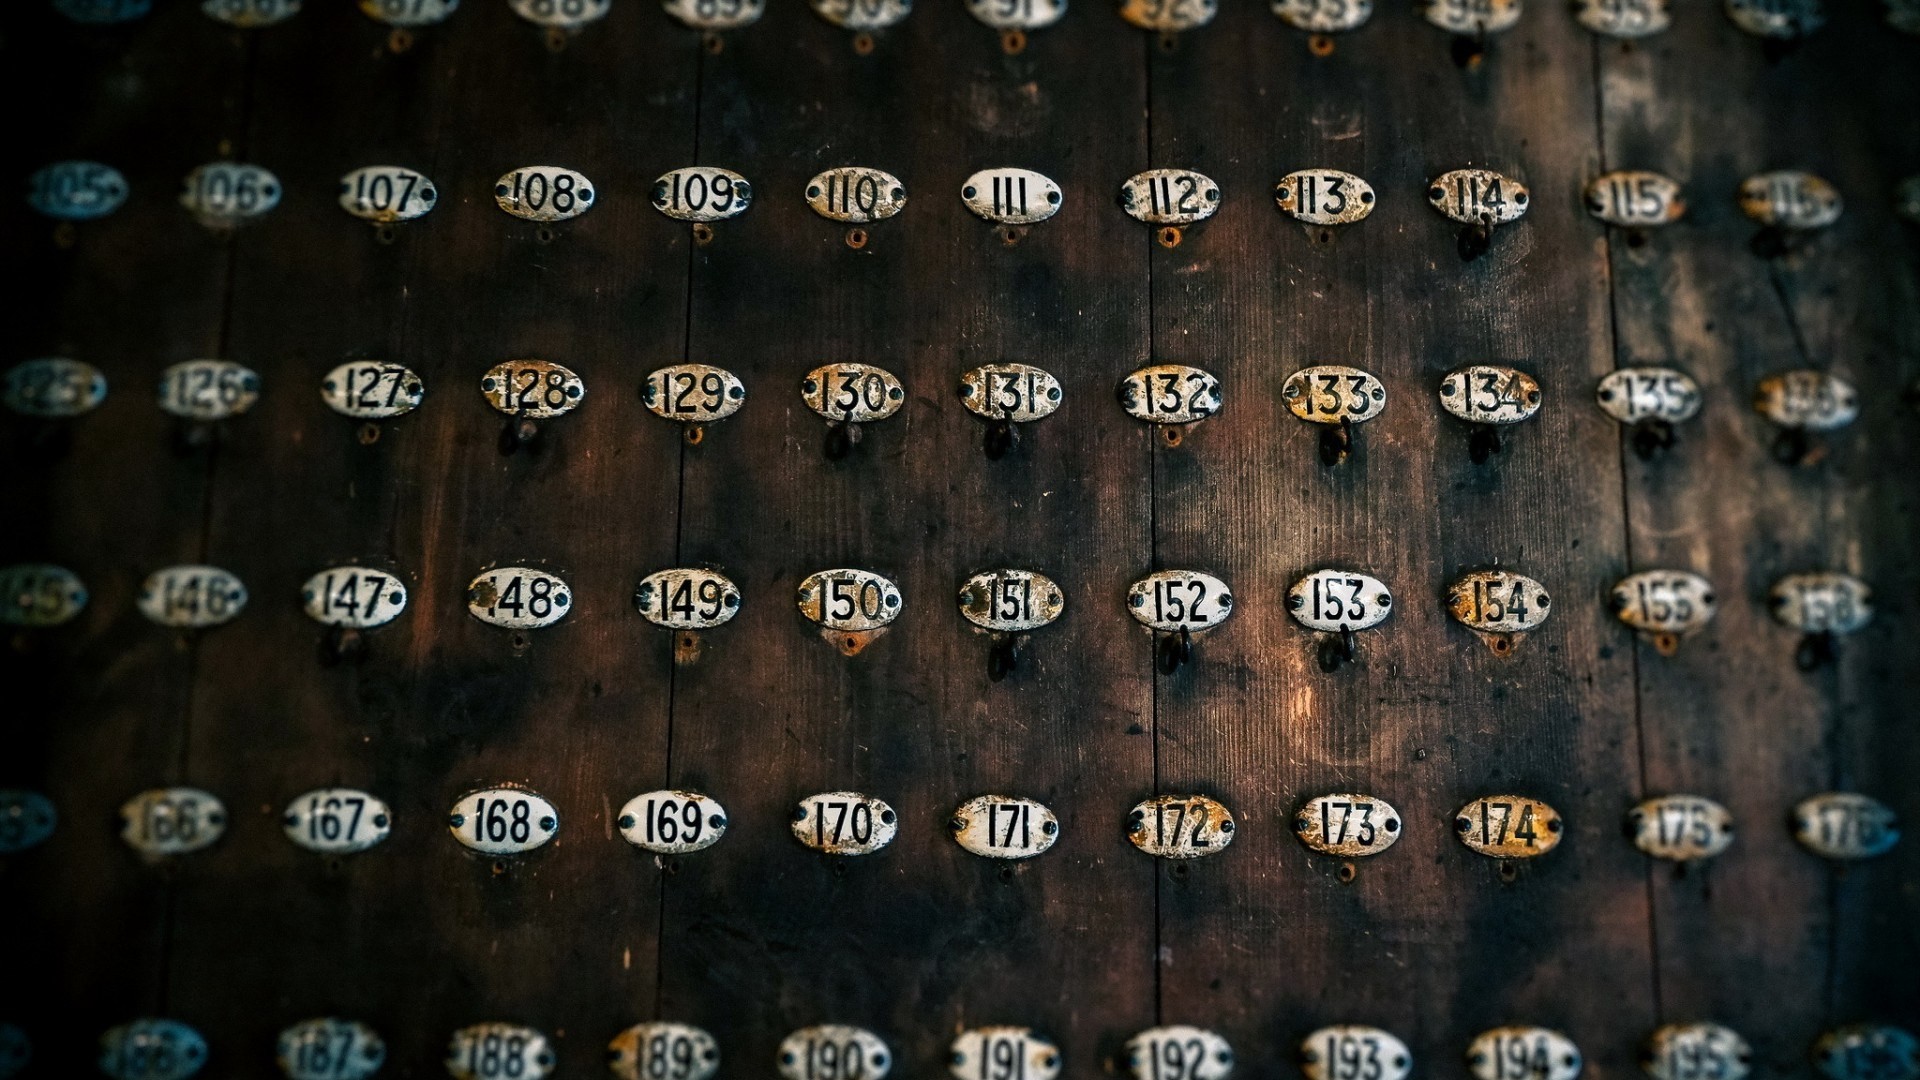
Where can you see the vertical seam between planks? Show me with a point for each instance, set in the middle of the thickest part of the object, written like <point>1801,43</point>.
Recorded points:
<point>1153,523</point>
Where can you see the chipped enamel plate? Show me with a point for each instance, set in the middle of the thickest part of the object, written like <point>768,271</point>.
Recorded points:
<point>1473,17</point>
<point>855,393</point>
<point>1845,825</point>
<point>1324,197</point>
<point>518,598</point>
<point>561,14</point>
<point>1333,601</point>
<point>1003,827</point>
<point>856,194</point>
<point>27,818</point>
<point>1498,602</point>
<point>16,1051</point>
<point>336,821</point>
<point>40,594</point>
<point>171,821</point>
<point>1791,200</point>
<point>1012,196</point>
<point>1490,394</point>
<point>1680,828</point>
<point>192,597</point>
<point>1354,1052</point>
<point>672,822</point>
<point>1011,601</point>
<point>538,389</point>
<point>663,1051</point>
<point>1169,16</point>
<point>330,1049</point>
<point>1508,827</point>
<point>1635,199</point>
<point>544,193</point>
<point>1696,1052</point>
<point>1021,393</point>
<point>408,13</point>
<point>223,193</point>
<point>250,14</point>
<point>371,390</point>
<point>1178,1051</point>
<point>384,194</point>
<point>1823,602</point>
<point>76,190</point>
<point>1331,394</point>
<point>862,14</point>
<point>1323,16</point>
<point>714,15</point>
<point>1169,197</point>
<point>503,821</point>
<point>499,1051</point>
<point>1631,395</point>
<point>1478,197</point>
<point>702,193</point>
<point>1180,826</point>
<point>208,389</point>
<point>834,1050</point>
<point>1807,399</point>
<point>353,597</point>
<point>1777,18</point>
<point>1907,196</point>
<point>1347,825</point>
<point>693,393</point>
<point>1170,394</point>
<point>1533,1052</point>
<point>1867,1052</point>
<point>1625,19</point>
<point>102,12</point>
<point>1003,1052</point>
<point>1664,601</point>
<point>1176,600</point>
<point>54,388</point>
<point>687,598</point>
<point>1017,14</point>
<point>844,823</point>
<point>152,1049</point>
<point>849,600</point>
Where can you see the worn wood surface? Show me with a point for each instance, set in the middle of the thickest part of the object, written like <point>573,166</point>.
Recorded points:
<point>1094,940</point>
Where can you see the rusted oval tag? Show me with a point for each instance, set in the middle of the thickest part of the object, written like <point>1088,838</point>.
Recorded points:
<point>561,14</point>
<point>499,1051</point>
<point>1625,19</point>
<point>1664,601</point>
<point>1635,199</point>
<point>1354,1052</point>
<point>1179,1052</point>
<point>27,818</point>
<point>1324,197</point>
<point>1333,601</point>
<point>1489,394</point>
<point>1175,600</point>
<point>336,821</point>
<point>40,594</point>
<point>250,14</point>
<point>172,821</point>
<point>329,1049</point>
<point>1011,601</point>
<point>1680,828</point>
<point>856,194</point>
<point>1507,1053</point>
<point>856,393</point>
<point>76,190</point>
<point>1331,394</point>
<point>384,194</point>
<point>152,1049</point>
<point>1347,825</point>
<point>1003,1053</point>
<point>844,823</point>
<point>1170,394</point>
<point>1498,602</point>
<point>1478,197</point>
<point>223,194</point>
<point>544,192</point>
<point>103,12</point>
<point>1696,1052</point>
<point>663,1050</point>
<point>1473,17</point>
<point>1806,399</point>
<point>518,598</point>
<point>1323,16</point>
<point>1169,197</point>
<point>1845,825</point>
<point>1790,199</point>
<point>503,821</point>
<point>693,393</point>
<point>371,390</point>
<point>208,389</point>
<point>1777,18</point>
<point>354,597</point>
<point>538,389</point>
<point>1017,14</point>
<point>54,387</point>
<point>1013,196</point>
<point>1508,827</point>
<point>1631,395</point>
<point>834,1052</point>
<point>1867,1052</point>
<point>1180,826</point>
<point>672,822</point>
<point>849,600</point>
<point>1021,393</point>
<point>1824,602</point>
<point>701,192</point>
<point>192,597</point>
<point>862,14</point>
<point>687,598</point>
<point>1003,827</point>
<point>715,15</point>
<point>1169,16</point>
<point>408,13</point>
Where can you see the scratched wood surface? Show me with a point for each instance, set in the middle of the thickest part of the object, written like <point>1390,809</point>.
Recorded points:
<point>1093,941</point>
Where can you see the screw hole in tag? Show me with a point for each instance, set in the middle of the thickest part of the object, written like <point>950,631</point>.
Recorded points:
<point>1170,237</point>
<point>1347,873</point>
<point>1173,436</point>
<point>856,238</point>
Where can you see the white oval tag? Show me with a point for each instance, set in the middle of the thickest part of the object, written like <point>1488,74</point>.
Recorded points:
<point>834,1052</point>
<point>693,393</point>
<point>336,821</point>
<point>499,1052</point>
<point>1508,827</point>
<point>1334,601</point>
<point>544,192</point>
<point>1011,196</point>
<point>192,597</point>
<point>250,14</point>
<point>1498,602</point>
<point>503,821</point>
<point>1011,601</point>
<point>844,823</point>
<point>862,14</point>
<point>702,192</point>
<point>1180,826</point>
<point>663,1051</point>
<point>1169,16</point>
<point>54,388</point>
<point>386,193</point>
<point>223,193</point>
<point>150,1049</point>
<point>687,598</point>
<point>1331,394</point>
<point>1347,825</point>
<point>1170,394</point>
<point>1169,197</point>
<point>1696,1052</point>
<point>1635,199</point>
<point>518,598</point>
<point>537,389</point>
<point>714,15</point>
<point>672,822</point>
<point>561,14</point>
<point>1807,399</point>
<point>208,389</point>
<point>1624,19</point>
<point>1533,1052</point>
<point>1323,16</point>
<point>1324,197</point>
<point>856,194</point>
<point>1478,197</point>
<point>1176,600</point>
<point>1003,827</point>
<point>1179,1052</point>
<point>329,1049</point>
<point>1791,200</point>
<point>1021,393</point>
<point>1845,825</point>
<point>856,393</point>
<point>1473,17</point>
<point>1868,1052</point>
<point>1680,827</point>
<point>1824,602</point>
<point>1631,395</point>
<point>1664,601</point>
<point>1017,14</point>
<point>171,821</point>
<point>40,594</point>
<point>27,818</point>
<point>1003,1053</point>
<point>1489,394</point>
<point>76,190</point>
<point>849,600</point>
<point>371,390</point>
<point>1354,1052</point>
<point>354,597</point>
<point>1777,18</point>
<point>408,12</point>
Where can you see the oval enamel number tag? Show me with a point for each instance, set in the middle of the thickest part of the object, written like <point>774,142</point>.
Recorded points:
<point>855,393</point>
<point>844,823</point>
<point>1664,601</point>
<point>151,1049</point>
<point>539,389</point>
<point>1531,1052</point>
<point>27,818</point>
<point>336,821</point>
<point>1478,197</point>
<point>1003,827</point>
<point>1170,394</point>
<point>354,597</point>
<point>654,1051</point>
<point>498,1052</point>
<point>192,597</point>
<point>715,15</point>
<point>1845,825</point>
<point>1331,394</point>
<point>1821,603</point>
<point>54,387</point>
<point>1179,1052</point>
<point>1631,395</point>
<point>1809,400</point>
<point>561,14</point>
<point>1790,200</point>
<point>1680,828</point>
<point>1635,199</point>
<point>1169,197</point>
<point>1696,1052</point>
<point>503,821</point>
<point>40,594</point>
<point>849,600</point>
<point>834,1052</point>
<point>208,389</point>
<point>1003,1053</point>
<point>672,822</point>
<point>1488,394</point>
<point>1508,827</point>
<point>1354,1052</point>
<point>171,821</point>
<point>1323,16</point>
<point>250,14</point>
<point>1010,601</point>
<point>1625,19</point>
<point>1021,393</point>
<point>386,193</point>
<point>1473,17</point>
<point>693,393</point>
<point>518,598</point>
<point>687,598</point>
<point>1868,1052</point>
<point>1324,197</point>
<point>103,11</point>
<point>1011,196</point>
<point>1017,14</point>
<point>702,193</point>
<point>1175,600</point>
<point>862,14</point>
<point>856,194</point>
<point>1339,600</point>
<point>329,1049</point>
<point>408,12</point>
<point>371,390</point>
<point>1348,825</point>
<point>223,193</point>
<point>76,190</point>
<point>1180,826</point>
<point>1498,602</point>
<point>1777,18</point>
<point>1169,16</point>
<point>544,193</point>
